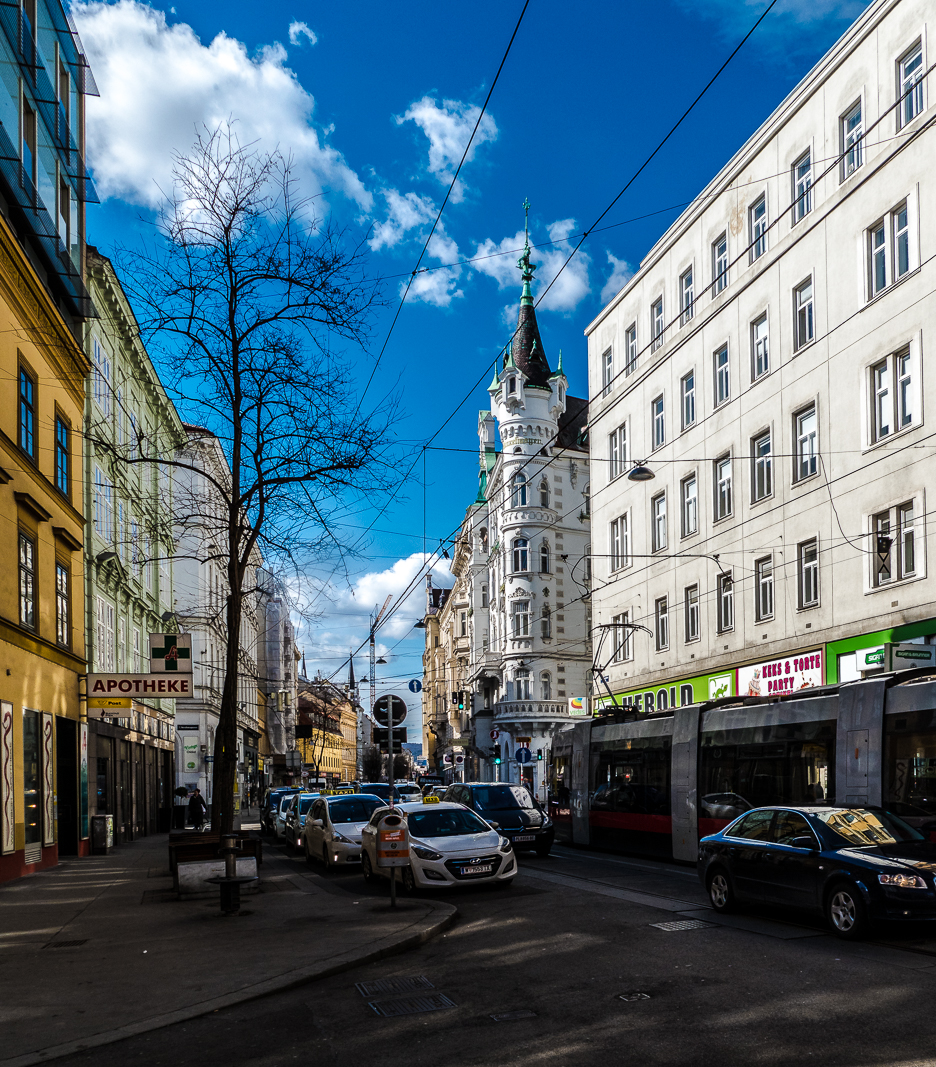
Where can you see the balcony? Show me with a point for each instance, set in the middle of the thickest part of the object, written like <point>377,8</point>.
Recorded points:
<point>532,710</point>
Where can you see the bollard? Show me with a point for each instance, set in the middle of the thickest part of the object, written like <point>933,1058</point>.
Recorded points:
<point>230,882</point>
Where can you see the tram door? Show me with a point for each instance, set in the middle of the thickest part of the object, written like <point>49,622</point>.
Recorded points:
<point>684,782</point>
<point>580,784</point>
<point>860,730</point>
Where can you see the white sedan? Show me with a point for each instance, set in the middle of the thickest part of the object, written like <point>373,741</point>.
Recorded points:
<point>332,831</point>
<point>448,845</point>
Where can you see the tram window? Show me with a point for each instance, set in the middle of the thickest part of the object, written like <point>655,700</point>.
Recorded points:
<point>635,779</point>
<point>910,759</point>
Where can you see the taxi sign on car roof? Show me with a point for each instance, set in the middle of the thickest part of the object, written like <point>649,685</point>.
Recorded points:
<point>339,792</point>
<point>430,800</point>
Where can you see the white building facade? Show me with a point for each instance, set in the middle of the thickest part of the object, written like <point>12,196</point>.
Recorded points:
<point>767,365</point>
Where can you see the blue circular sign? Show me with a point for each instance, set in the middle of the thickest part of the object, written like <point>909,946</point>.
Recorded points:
<point>523,755</point>
<point>415,686</point>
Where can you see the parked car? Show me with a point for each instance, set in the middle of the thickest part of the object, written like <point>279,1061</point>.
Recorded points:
<point>296,812</point>
<point>512,809</point>
<point>855,865</point>
<point>380,789</point>
<point>270,805</point>
<point>332,831</point>
<point>408,789</point>
<point>448,845</point>
<point>279,814</point>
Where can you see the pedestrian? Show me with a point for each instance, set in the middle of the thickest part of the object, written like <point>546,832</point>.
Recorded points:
<point>197,809</point>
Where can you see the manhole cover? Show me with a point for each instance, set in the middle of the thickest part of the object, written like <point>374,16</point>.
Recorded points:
<point>633,996</point>
<point>66,944</point>
<point>509,1016</point>
<point>394,985</point>
<point>682,924</point>
<point>412,1005</point>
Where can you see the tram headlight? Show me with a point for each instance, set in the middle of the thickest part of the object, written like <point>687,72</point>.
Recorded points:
<point>903,881</point>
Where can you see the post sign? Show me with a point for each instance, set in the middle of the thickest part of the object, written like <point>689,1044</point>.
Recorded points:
<point>415,686</point>
<point>390,707</point>
<point>787,674</point>
<point>170,653</point>
<point>523,755</point>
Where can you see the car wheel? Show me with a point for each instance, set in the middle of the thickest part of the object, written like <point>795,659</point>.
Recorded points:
<point>846,912</point>
<point>409,880</point>
<point>721,892</point>
<point>366,867</point>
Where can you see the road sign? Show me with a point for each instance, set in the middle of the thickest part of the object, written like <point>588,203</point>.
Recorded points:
<point>495,734</point>
<point>382,738</point>
<point>415,686</point>
<point>459,759</point>
<point>170,652</point>
<point>447,757</point>
<point>383,713</point>
<point>523,755</point>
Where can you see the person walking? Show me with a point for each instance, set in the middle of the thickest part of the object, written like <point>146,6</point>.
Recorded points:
<point>197,809</point>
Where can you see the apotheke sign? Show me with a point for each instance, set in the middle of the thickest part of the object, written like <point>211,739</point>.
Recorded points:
<point>784,675</point>
<point>139,685</point>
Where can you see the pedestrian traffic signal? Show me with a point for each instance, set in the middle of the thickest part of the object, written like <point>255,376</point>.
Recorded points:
<point>497,755</point>
<point>454,698</point>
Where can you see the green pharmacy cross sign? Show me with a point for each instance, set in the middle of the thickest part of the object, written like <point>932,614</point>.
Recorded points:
<point>170,652</point>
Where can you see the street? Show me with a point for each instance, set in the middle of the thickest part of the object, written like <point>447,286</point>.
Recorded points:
<point>562,946</point>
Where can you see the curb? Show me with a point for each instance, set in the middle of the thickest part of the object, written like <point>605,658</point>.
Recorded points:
<point>288,980</point>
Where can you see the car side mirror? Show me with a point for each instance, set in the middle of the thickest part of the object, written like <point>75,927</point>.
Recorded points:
<point>806,841</point>
<point>318,822</point>
<point>494,825</point>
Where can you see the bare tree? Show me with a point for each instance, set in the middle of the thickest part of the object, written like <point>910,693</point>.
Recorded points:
<point>244,296</point>
<point>372,762</point>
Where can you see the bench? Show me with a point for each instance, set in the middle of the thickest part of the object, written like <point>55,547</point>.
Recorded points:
<point>191,847</point>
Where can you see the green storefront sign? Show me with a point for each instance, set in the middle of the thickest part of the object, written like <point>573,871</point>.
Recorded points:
<point>674,695</point>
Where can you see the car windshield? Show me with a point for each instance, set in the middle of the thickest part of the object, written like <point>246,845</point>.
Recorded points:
<point>502,797</point>
<point>447,822</point>
<point>861,826</point>
<point>304,804</point>
<point>353,809</point>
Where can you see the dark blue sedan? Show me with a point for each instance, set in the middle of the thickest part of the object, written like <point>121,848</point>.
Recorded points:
<point>855,865</point>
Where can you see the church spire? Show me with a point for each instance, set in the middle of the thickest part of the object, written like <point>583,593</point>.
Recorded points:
<point>526,350</point>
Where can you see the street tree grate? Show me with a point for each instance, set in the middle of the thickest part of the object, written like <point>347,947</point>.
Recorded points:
<point>633,996</point>
<point>412,1005</point>
<point>509,1016</point>
<point>682,924</point>
<point>66,944</point>
<point>394,985</point>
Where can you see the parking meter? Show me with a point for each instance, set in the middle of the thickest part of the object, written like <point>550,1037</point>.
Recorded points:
<point>392,842</point>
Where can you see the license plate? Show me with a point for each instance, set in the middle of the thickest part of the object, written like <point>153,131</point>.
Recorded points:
<point>525,837</point>
<point>483,868</point>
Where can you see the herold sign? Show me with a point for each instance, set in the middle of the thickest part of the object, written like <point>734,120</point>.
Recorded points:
<point>139,685</point>
<point>784,675</point>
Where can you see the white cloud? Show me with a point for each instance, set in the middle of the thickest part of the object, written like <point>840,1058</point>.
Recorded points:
<point>570,288</point>
<point>621,274</point>
<point>404,213</point>
<point>159,84</point>
<point>783,22</point>
<point>298,30</point>
<point>448,129</point>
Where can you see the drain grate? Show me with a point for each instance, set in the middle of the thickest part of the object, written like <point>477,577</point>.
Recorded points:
<point>66,944</point>
<point>509,1016</point>
<point>682,924</point>
<point>412,1005</point>
<point>394,985</point>
<point>633,996</point>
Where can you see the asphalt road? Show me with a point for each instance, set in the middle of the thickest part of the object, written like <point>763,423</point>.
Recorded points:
<point>574,933</point>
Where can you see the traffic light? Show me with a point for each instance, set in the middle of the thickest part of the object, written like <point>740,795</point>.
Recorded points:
<point>539,753</point>
<point>461,699</point>
<point>497,755</point>
<point>455,697</point>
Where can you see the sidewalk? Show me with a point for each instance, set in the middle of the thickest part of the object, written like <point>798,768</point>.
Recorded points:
<point>97,949</point>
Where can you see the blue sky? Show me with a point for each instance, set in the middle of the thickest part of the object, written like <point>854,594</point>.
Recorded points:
<point>375,102</point>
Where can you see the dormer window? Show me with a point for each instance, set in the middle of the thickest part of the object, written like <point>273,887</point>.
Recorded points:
<point>561,394</point>
<point>511,386</point>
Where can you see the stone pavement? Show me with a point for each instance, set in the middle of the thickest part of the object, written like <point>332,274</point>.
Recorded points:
<point>98,949</point>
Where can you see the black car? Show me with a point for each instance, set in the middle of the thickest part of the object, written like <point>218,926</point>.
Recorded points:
<point>380,789</point>
<point>513,808</point>
<point>271,803</point>
<point>855,865</point>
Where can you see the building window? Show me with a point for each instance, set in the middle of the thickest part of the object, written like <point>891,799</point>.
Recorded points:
<point>62,456</point>
<point>719,264</point>
<point>621,637</point>
<point>607,371</point>
<point>891,408</point>
<point>484,596</point>
<point>725,603</point>
<point>760,348</point>
<point>803,319</point>
<point>544,557</point>
<point>852,147</point>
<point>29,151</point>
<point>691,611</point>
<point>511,385</point>
<point>806,432</point>
<point>802,187</point>
<point>722,382</point>
<point>661,623</point>
<point>910,84</point>
<point>763,588</point>
<point>722,487</point>
<point>103,506</point>
<point>544,494</point>
<point>757,221</point>
<point>687,389</point>
<point>658,422</point>
<point>546,623</point>
<point>27,581</point>
<point>888,250</point>
<point>519,491</point>
<point>617,452</point>
<point>762,480</point>
<point>619,543</point>
<point>521,618</point>
<point>894,548</point>
<point>630,337</point>
<point>546,685</point>
<point>658,522</point>
<point>463,624</point>
<point>656,323</point>
<point>586,501</point>
<point>101,377</point>
<point>27,413</point>
<point>523,685</point>
<point>686,298</point>
<point>808,571</point>
<point>521,555</point>
<point>689,496</point>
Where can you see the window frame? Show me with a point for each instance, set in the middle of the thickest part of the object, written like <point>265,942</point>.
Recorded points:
<point>686,296</point>
<point>724,603</point>
<point>658,422</point>
<point>62,461</point>
<point>619,542</point>
<point>892,523</point>
<point>851,144</point>
<point>721,375</point>
<point>661,623</point>
<point>618,462</point>
<point>723,505</point>
<point>630,342</point>
<point>802,203</point>
<point>658,522</point>
<point>520,555</point>
<point>689,505</point>
<point>803,571</point>
<point>884,257</point>
<point>799,438</point>
<point>27,411</point>
<point>520,618</point>
<point>27,579</point>
<point>804,314</point>
<point>720,264</point>
<point>607,370</point>
<point>657,324</point>
<point>910,99</point>
<point>687,399</point>
<point>758,228</point>
<point>763,589</point>
<point>761,467</point>
<point>622,648</point>
<point>762,342</point>
<point>518,490</point>
<point>691,612</point>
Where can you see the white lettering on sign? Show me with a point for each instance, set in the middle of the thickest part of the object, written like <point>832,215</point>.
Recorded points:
<point>139,685</point>
<point>785,675</point>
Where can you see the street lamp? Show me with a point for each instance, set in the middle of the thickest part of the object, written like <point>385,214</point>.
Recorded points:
<point>640,472</point>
